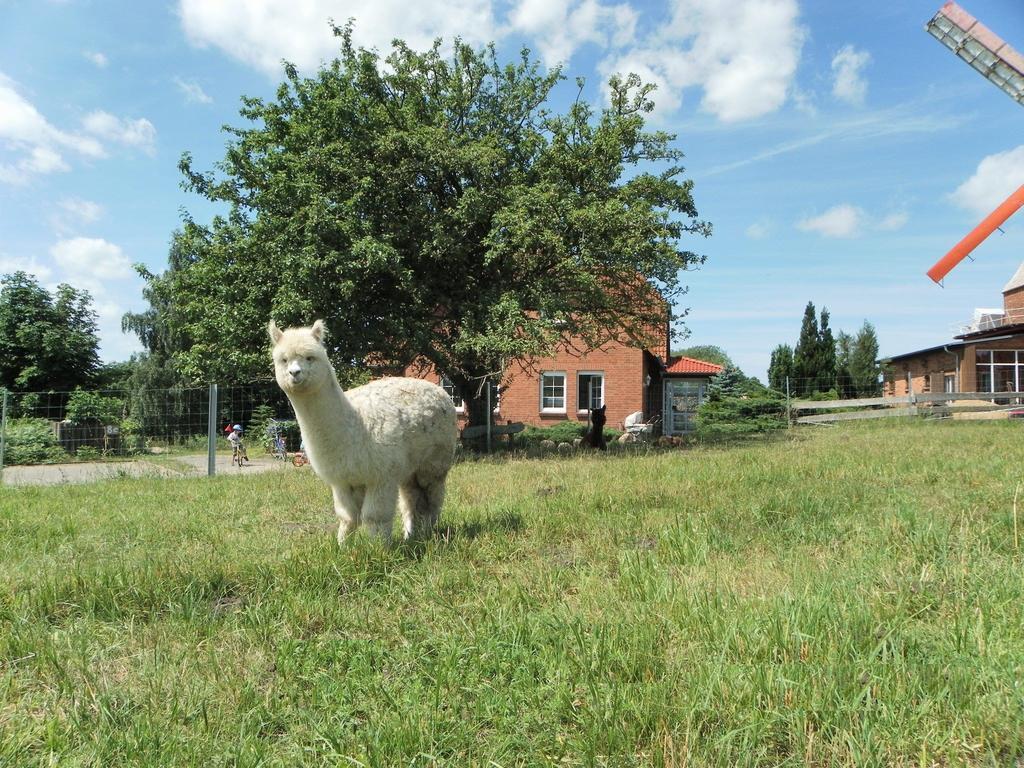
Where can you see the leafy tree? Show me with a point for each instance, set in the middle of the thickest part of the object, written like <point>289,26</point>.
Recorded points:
<point>47,342</point>
<point>434,209</point>
<point>844,350</point>
<point>865,372</point>
<point>94,408</point>
<point>706,352</point>
<point>781,367</point>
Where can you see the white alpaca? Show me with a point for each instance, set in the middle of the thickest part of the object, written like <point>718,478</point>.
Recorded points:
<point>390,439</point>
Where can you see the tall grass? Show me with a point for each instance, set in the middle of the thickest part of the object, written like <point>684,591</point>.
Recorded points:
<point>845,597</point>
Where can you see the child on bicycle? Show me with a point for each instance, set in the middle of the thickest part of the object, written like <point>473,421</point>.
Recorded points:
<point>237,446</point>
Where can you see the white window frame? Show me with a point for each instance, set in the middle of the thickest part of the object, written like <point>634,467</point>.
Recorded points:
<point>565,394</point>
<point>447,384</point>
<point>580,408</point>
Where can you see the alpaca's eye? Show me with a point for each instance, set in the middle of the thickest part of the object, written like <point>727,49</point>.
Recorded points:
<point>309,359</point>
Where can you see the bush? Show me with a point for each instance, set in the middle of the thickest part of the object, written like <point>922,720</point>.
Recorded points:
<point>93,408</point>
<point>31,441</point>
<point>88,453</point>
<point>745,415</point>
<point>562,432</point>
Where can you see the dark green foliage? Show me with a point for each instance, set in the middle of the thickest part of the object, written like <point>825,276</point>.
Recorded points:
<point>94,408</point>
<point>727,383</point>
<point>426,207</point>
<point>825,363</point>
<point>732,416</point>
<point>47,342</point>
<point>781,367</point>
<point>865,372</point>
<point>31,441</point>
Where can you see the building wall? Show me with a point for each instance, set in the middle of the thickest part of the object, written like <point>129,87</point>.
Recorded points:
<point>1014,299</point>
<point>625,369</point>
<point>927,370</point>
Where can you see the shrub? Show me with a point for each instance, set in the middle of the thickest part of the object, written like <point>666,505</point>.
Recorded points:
<point>93,408</point>
<point>31,441</point>
<point>88,453</point>
<point>562,432</point>
<point>745,415</point>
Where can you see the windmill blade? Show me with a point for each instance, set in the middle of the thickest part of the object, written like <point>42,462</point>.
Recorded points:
<point>975,237</point>
<point>980,47</point>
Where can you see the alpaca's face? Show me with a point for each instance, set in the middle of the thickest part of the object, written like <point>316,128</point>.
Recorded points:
<point>300,361</point>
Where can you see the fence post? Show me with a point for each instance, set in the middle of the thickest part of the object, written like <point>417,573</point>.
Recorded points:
<point>211,433</point>
<point>789,407</point>
<point>3,432</point>
<point>490,414</point>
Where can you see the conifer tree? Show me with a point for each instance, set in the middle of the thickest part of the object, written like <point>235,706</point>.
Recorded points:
<point>806,353</point>
<point>781,367</point>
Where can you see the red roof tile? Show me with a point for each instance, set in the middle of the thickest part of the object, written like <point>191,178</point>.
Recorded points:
<point>689,365</point>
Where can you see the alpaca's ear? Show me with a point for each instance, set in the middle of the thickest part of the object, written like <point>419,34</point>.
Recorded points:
<point>274,331</point>
<point>319,330</point>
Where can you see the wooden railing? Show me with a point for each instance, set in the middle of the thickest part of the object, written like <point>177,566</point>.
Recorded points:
<point>914,404</point>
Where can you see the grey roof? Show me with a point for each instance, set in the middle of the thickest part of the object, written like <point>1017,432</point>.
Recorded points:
<point>1017,281</point>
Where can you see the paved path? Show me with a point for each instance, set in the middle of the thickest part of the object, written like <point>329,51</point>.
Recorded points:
<point>193,465</point>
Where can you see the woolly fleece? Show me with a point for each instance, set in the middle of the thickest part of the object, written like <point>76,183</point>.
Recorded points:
<point>390,441</point>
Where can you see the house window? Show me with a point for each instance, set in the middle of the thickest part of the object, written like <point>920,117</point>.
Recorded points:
<point>460,406</point>
<point>999,370</point>
<point>449,387</point>
<point>590,390</point>
<point>949,382</point>
<point>552,392</point>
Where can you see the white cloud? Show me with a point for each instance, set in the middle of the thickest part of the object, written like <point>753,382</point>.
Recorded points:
<point>194,93</point>
<point>846,220</point>
<point>11,264</point>
<point>135,133</point>
<point>29,143</point>
<point>760,229</point>
<point>996,177</point>
<point>843,220</point>
<point>562,26</point>
<point>261,33</point>
<point>102,268</point>
<point>848,83</point>
<point>72,212</point>
<point>85,259</point>
<point>893,221</point>
<point>97,58</point>
<point>743,54</point>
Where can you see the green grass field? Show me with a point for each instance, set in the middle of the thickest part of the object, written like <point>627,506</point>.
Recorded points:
<point>845,596</point>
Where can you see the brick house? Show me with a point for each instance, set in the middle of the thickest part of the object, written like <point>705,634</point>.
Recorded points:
<point>985,355</point>
<point>620,374</point>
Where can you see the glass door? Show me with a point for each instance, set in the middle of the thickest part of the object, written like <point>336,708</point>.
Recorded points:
<point>682,398</point>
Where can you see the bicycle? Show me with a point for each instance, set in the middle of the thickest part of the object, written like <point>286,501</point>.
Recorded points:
<point>237,454</point>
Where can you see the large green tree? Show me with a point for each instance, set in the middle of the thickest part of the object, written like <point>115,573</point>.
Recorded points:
<point>709,353</point>
<point>805,354</point>
<point>865,371</point>
<point>781,368</point>
<point>47,341</point>
<point>432,207</point>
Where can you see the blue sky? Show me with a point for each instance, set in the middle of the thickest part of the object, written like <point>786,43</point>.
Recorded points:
<point>837,148</point>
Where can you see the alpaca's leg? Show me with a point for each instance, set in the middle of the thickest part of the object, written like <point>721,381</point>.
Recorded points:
<point>379,510</point>
<point>347,503</point>
<point>409,496</point>
<point>434,501</point>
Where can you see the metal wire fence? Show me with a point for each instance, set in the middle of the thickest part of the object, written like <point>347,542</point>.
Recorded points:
<point>181,426</point>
